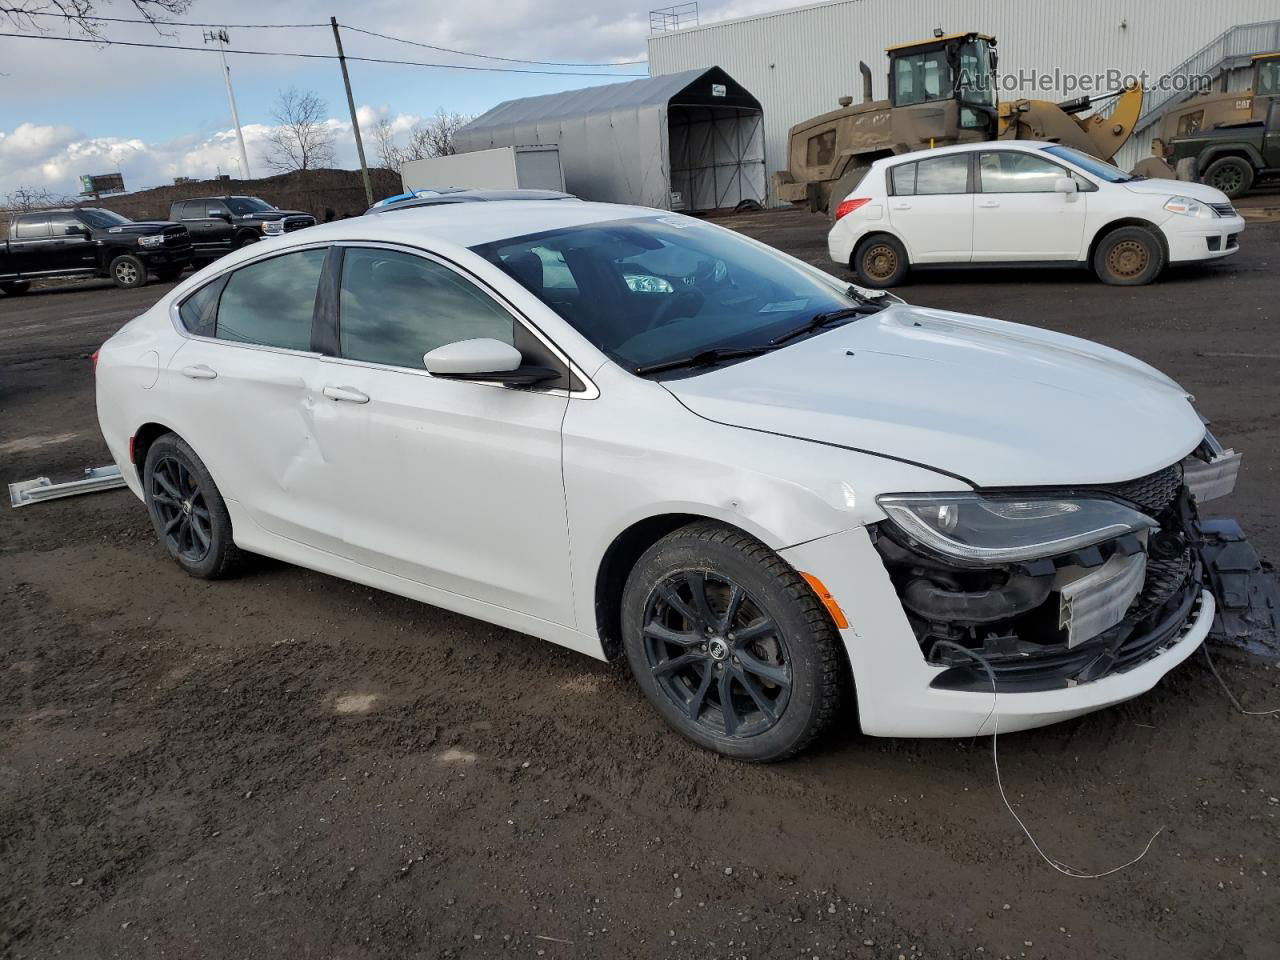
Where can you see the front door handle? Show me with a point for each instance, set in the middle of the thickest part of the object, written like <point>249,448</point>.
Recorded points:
<point>199,372</point>
<point>349,394</point>
<point>902,206</point>
<point>989,203</point>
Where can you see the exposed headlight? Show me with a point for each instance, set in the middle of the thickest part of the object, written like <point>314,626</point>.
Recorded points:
<point>984,530</point>
<point>273,228</point>
<point>1189,208</point>
<point>155,240</point>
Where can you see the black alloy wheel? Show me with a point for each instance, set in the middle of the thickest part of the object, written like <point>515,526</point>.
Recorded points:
<point>718,655</point>
<point>185,523</point>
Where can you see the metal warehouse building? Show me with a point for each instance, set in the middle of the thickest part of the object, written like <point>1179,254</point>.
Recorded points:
<point>799,62</point>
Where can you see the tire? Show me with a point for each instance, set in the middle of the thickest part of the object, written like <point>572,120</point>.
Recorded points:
<point>1232,175</point>
<point>776,663</point>
<point>880,261</point>
<point>15,288</point>
<point>243,240</point>
<point>187,511</point>
<point>128,271</point>
<point>168,274</point>
<point>1128,257</point>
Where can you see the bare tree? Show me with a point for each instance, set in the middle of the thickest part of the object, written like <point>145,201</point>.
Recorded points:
<point>300,139</point>
<point>23,199</point>
<point>430,138</point>
<point>35,14</point>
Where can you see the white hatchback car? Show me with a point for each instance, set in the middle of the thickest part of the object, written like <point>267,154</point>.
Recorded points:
<point>635,433</point>
<point>1025,203</point>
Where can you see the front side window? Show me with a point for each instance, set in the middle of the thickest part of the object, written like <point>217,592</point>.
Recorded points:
<point>653,289</point>
<point>1007,171</point>
<point>65,225</point>
<point>395,307</point>
<point>271,302</point>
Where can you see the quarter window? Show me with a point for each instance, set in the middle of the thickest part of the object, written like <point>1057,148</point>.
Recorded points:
<point>199,312</point>
<point>271,302</point>
<point>395,307</point>
<point>1006,171</point>
<point>939,175</point>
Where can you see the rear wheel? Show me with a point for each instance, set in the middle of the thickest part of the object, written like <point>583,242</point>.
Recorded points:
<point>16,288</point>
<point>1128,257</point>
<point>128,271</point>
<point>880,261</point>
<point>187,510</point>
<point>1232,175</point>
<point>730,645</point>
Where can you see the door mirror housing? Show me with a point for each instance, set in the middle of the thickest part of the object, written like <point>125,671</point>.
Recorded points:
<point>484,359</point>
<point>1064,185</point>
<point>220,215</point>
<point>76,230</point>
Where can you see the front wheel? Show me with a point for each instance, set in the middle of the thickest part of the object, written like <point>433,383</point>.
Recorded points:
<point>15,288</point>
<point>128,271</point>
<point>187,510</point>
<point>730,644</point>
<point>1128,257</point>
<point>880,261</point>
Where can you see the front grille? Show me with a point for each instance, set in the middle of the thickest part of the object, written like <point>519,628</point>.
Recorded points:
<point>1154,493</point>
<point>1223,209</point>
<point>297,223</point>
<point>176,237</point>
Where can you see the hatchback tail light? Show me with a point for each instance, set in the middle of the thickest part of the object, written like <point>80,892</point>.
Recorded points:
<point>848,206</point>
<point>93,357</point>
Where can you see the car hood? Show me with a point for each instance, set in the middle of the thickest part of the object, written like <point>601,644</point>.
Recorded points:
<point>996,404</point>
<point>144,226</point>
<point>1177,188</point>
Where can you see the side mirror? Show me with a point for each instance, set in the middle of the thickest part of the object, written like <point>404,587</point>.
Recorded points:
<point>1064,185</point>
<point>220,215</point>
<point>76,230</point>
<point>484,359</point>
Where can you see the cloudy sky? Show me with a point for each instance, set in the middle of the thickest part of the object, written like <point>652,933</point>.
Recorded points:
<point>68,109</point>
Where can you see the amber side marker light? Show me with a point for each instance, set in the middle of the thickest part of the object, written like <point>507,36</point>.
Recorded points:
<point>827,599</point>
<point>848,206</point>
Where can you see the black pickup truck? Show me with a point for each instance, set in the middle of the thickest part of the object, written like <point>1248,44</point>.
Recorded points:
<point>88,241</point>
<point>219,225</point>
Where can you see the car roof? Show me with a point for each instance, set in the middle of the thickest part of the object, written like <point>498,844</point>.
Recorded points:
<point>968,148</point>
<point>441,195</point>
<point>469,224</point>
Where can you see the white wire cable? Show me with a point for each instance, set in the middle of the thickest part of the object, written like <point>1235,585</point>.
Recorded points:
<point>1227,690</point>
<point>1061,866</point>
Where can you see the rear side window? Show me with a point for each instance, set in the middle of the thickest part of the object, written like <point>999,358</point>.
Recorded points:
<point>32,228</point>
<point>395,307</point>
<point>271,302</point>
<point>938,175</point>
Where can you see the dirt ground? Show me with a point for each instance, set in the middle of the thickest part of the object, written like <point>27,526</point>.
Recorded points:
<point>292,765</point>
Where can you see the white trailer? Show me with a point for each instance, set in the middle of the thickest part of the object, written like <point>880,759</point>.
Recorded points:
<point>501,168</point>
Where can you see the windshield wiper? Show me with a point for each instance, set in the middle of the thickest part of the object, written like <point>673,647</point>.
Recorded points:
<point>705,358</point>
<point>820,320</point>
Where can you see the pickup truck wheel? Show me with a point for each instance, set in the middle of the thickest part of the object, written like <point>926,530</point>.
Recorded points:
<point>1128,257</point>
<point>730,644</point>
<point>880,261</point>
<point>16,288</point>
<point>128,271</point>
<point>244,240</point>
<point>1232,175</point>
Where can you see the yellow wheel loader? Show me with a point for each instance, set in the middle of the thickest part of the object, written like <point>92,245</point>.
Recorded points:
<point>941,91</point>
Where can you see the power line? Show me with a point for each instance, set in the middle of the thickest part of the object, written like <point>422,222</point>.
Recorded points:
<point>298,26</point>
<point>320,56</point>
<point>486,56</point>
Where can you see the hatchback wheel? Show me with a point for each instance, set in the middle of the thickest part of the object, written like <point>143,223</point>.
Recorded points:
<point>730,644</point>
<point>187,511</point>
<point>880,261</point>
<point>128,271</point>
<point>1128,257</point>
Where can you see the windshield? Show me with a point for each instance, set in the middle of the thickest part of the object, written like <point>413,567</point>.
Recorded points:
<point>975,82</point>
<point>100,219</point>
<point>1100,169</point>
<point>654,289</point>
<point>243,206</point>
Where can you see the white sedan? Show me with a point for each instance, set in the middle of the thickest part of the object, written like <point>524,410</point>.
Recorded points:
<point>1025,203</point>
<point>638,434</point>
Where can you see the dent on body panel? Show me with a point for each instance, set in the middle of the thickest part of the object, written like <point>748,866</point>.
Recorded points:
<point>306,452</point>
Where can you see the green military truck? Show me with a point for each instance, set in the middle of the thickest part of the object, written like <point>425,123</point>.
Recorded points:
<point>1232,158</point>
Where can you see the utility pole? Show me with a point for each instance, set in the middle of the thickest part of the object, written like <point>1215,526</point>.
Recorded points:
<point>221,37</point>
<point>351,105</point>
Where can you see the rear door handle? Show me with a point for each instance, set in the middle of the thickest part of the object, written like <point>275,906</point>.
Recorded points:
<point>902,206</point>
<point>349,394</point>
<point>199,372</point>
<point>989,203</point>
